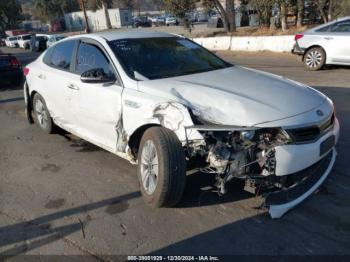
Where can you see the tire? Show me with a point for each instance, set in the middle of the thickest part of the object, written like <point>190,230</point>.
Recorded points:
<point>314,59</point>
<point>168,166</point>
<point>42,116</point>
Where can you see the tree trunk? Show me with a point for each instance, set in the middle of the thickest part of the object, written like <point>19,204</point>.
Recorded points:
<point>230,10</point>
<point>330,10</point>
<point>322,12</point>
<point>284,16</point>
<point>228,15</point>
<point>105,10</point>
<point>301,9</point>
<point>87,27</point>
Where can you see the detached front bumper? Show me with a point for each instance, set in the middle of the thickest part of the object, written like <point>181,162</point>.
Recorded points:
<point>305,167</point>
<point>308,180</point>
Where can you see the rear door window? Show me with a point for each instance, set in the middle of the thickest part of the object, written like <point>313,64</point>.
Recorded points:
<point>341,27</point>
<point>62,54</point>
<point>324,29</point>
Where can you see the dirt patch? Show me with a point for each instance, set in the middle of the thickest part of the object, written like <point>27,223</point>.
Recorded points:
<point>117,207</point>
<point>51,167</point>
<point>55,204</point>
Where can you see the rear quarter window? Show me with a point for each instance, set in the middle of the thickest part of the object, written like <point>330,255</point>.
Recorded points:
<point>47,55</point>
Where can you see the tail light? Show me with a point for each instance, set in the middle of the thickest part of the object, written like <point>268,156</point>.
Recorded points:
<point>25,71</point>
<point>298,36</point>
<point>14,62</point>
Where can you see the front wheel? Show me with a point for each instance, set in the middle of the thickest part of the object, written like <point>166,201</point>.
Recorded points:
<point>314,59</point>
<point>161,167</point>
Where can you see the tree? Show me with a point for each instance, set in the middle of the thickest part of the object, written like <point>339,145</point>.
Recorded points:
<point>10,14</point>
<point>284,13</point>
<point>322,7</point>
<point>226,11</point>
<point>264,10</point>
<point>180,8</point>
<point>300,12</point>
<point>48,9</point>
<point>331,9</point>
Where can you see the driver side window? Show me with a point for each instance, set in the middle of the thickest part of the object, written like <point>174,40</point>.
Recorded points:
<point>91,57</point>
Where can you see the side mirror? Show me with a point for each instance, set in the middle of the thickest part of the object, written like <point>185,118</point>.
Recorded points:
<point>96,75</point>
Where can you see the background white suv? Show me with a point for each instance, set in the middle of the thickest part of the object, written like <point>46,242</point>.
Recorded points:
<point>325,44</point>
<point>24,41</point>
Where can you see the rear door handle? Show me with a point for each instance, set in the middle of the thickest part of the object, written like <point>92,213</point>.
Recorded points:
<point>74,87</point>
<point>328,38</point>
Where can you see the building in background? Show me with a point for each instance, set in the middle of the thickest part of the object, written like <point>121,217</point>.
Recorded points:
<point>119,17</point>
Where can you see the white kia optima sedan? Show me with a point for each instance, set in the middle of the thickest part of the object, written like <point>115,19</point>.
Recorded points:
<point>165,103</point>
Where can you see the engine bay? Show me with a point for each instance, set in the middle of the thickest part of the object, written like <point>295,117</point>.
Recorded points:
<point>244,154</point>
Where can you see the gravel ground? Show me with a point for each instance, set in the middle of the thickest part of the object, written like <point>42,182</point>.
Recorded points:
<point>61,195</point>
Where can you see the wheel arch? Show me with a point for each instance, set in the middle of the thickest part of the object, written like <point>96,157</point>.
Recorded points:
<point>29,102</point>
<point>136,136</point>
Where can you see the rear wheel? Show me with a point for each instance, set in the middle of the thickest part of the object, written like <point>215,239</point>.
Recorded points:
<point>42,115</point>
<point>161,168</point>
<point>314,59</point>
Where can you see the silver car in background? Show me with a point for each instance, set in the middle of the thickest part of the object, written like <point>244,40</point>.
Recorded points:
<point>328,44</point>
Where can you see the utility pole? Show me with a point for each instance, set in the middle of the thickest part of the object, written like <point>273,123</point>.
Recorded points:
<point>87,27</point>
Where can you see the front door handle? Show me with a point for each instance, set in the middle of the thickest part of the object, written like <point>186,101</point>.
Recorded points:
<point>328,38</point>
<point>74,87</point>
<point>41,76</point>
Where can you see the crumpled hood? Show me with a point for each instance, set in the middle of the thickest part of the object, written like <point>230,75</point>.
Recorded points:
<point>237,95</point>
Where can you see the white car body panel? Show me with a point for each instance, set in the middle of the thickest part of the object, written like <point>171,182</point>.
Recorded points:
<point>109,114</point>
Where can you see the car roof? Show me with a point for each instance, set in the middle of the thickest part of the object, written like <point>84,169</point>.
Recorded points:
<point>112,35</point>
<point>329,23</point>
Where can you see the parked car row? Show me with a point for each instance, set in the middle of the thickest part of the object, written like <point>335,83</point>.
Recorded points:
<point>169,19</point>
<point>35,42</point>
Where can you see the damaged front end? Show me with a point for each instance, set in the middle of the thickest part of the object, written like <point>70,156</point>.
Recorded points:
<point>249,154</point>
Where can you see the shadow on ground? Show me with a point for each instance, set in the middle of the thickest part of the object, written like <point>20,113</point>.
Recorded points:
<point>42,228</point>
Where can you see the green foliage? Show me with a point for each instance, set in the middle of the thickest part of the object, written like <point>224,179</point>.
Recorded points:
<point>264,9</point>
<point>48,9</point>
<point>179,8</point>
<point>10,14</point>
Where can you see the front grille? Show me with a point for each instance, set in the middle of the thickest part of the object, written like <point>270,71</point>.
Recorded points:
<point>311,133</point>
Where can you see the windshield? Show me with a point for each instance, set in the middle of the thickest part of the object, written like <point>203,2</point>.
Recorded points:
<point>155,58</point>
<point>12,38</point>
